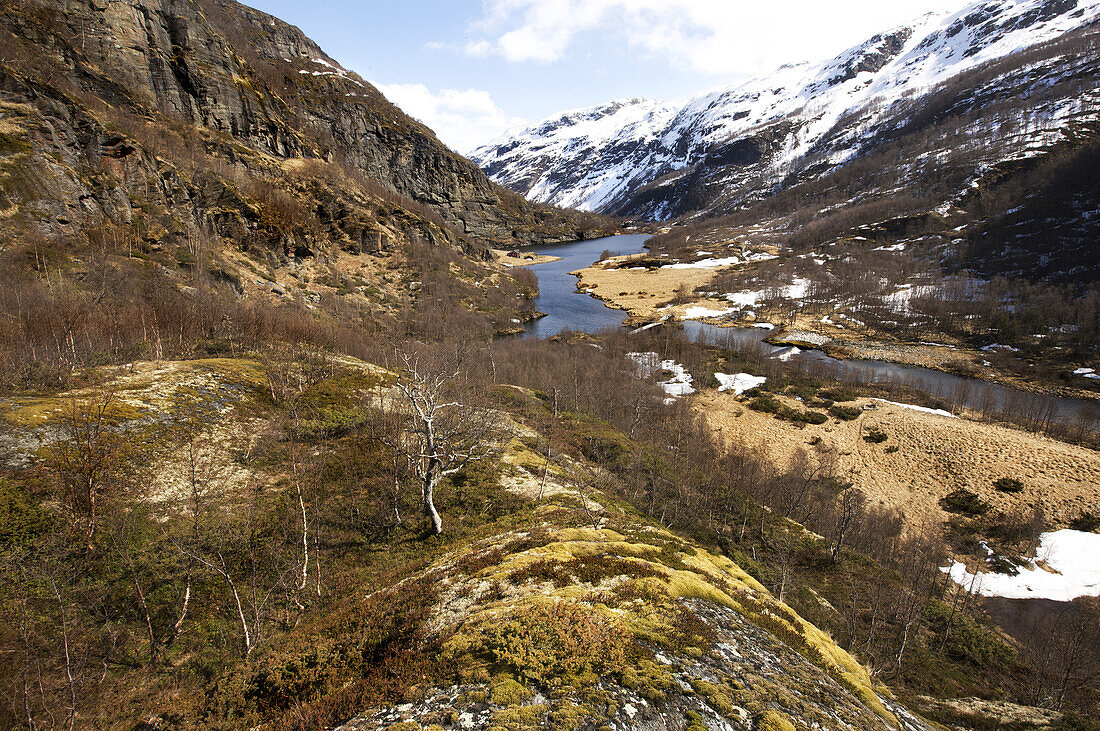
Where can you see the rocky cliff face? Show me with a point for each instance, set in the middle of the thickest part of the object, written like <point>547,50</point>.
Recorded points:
<point>112,105</point>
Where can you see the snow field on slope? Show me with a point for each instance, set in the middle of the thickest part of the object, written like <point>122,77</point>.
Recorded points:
<point>1071,571</point>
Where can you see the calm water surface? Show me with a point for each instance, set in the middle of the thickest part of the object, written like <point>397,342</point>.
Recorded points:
<point>566,308</point>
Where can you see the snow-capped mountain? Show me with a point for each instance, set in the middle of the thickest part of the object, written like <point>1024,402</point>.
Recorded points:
<point>711,153</point>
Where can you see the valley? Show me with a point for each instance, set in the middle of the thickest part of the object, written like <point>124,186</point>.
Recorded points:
<point>772,409</point>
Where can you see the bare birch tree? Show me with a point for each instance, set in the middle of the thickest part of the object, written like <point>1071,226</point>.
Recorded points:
<point>444,429</point>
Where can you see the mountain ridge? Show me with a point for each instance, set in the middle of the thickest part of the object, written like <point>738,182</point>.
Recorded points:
<point>241,75</point>
<point>823,117</point>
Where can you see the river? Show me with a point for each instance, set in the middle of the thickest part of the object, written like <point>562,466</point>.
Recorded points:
<point>566,308</point>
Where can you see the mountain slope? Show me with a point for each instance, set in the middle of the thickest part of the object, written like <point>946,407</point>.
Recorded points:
<point>178,172</point>
<point>118,85</point>
<point>717,151</point>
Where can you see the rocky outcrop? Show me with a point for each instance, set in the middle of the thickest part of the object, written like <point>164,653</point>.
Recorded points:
<point>628,629</point>
<point>118,91</point>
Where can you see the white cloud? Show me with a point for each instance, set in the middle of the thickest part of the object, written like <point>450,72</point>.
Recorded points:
<point>708,36</point>
<point>461,118</point>
<point>479,48</point>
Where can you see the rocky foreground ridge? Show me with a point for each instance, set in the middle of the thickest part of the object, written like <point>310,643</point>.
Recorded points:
<point>571,612</point>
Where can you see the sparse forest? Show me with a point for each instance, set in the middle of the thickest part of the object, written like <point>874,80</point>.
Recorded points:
<point>117,591</point>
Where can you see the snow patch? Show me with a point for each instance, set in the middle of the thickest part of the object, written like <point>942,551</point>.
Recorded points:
<point>706,263</point>
<point>678,385</point>
<point>1070,556</point>
<point>914,407</point>
<point>787,353</point>
<point>696,312</point>
<point>738,382</point>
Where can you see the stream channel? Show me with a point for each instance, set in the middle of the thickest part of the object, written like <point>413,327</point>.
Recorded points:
<point>568,309</point>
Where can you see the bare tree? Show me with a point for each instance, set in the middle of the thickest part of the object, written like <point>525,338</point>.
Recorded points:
<point>444,429</point>
<point>89,460</point>
<point>849,513</point>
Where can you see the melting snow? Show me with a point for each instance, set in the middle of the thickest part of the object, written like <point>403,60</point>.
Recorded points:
<point>1069,554</point>
<point>796,290</point>
<point>738,382</point>
<point>743,299</point>
<point>696,312</point>
<point>706,263</point>
<point>925,409</point>
<point>680,383</point>
<point>787,353</point>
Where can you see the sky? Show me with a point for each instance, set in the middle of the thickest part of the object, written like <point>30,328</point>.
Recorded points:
<point>472,69</point>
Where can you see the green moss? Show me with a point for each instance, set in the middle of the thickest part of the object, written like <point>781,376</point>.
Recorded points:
<point>333,407</point>
<point>772,720</point>
<point>695,722</point>
<point>507,692</point>
<point>716,696</point>
<point>541,641</point>
<point>519,718</point>
<point>566,717</point>
<point>473,698</point>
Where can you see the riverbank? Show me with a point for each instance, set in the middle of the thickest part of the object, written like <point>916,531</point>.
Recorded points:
<point>671,293</point>
<point>521,258</point>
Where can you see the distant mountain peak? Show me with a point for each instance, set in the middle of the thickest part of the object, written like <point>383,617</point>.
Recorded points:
<point>603,157</point>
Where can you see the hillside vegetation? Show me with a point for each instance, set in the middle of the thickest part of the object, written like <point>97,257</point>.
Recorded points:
<point>266,464</point>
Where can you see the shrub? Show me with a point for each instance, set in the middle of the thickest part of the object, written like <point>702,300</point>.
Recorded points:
<point>967,639</point>
<point>875,436</point>
<point>21,520</point>
<point>838,393</point>
<point>1008,484</point>
<point>767,404</point>
<point>800,390</point>
<point>965,502</point>
<point>813,417</point>
<point>604,445</point>
<point>845,413</point>
<point>1087,521</point>
<point>771,405</point>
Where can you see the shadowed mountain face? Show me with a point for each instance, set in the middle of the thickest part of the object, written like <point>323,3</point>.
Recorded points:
<point>948,95</point>
<point>107,105</point>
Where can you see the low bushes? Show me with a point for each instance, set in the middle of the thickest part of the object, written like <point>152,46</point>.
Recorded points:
<point>845,413</point>
<point>965,502</point>
<point>771,405</point>
<point>1008,484</point>
<point>875,436</point>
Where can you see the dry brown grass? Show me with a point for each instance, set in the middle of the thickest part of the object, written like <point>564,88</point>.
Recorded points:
<point>640,292</point>
<point>934,455</point>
